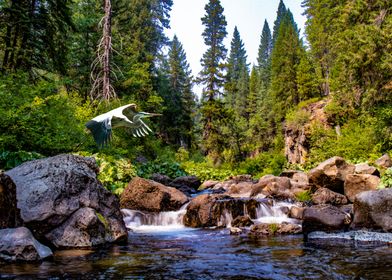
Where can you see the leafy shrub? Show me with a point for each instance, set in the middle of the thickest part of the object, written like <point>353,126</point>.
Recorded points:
<point>9,159</point>
<point>115,171</point>
<point>386,179</point>
<point>168,168</point>
<point>357,142</point>
<point>264,163</point>
<point>297,119</point>
<point>39,117</point>
<point>206,171</point>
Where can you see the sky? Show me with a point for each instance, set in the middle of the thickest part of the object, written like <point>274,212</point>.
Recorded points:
<point>247,15</point>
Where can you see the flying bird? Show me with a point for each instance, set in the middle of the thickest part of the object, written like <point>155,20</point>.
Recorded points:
<point>127,116</point>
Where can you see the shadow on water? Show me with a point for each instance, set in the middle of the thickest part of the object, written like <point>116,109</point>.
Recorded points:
<point>210,254</point>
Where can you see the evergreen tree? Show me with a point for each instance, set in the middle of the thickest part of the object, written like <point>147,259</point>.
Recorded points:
<point>264,55</point>
<point>139,37</point>
<point>237,79</point>
<point>86,15</point>
<point>35,34</point>
<point>212,77</point>
<point>213,59</point>
<point>179,100</point>
<point>279,17</point>
<point>284,61</point>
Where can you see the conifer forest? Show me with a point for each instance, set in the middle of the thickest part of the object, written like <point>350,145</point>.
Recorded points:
<point>306,98</point>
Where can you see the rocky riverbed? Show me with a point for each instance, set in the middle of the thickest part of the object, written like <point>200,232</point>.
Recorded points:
<point>58,203</point>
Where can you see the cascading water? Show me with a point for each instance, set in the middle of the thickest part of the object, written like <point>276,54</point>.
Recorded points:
<point>140,221</point>
<point>273,214</point>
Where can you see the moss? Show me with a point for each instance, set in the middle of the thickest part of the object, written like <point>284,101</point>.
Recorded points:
<point>273,228</point>
<point>103,220</point>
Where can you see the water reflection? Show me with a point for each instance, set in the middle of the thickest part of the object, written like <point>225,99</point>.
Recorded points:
<point>210,254</point>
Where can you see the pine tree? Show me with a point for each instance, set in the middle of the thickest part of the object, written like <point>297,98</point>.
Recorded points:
<point>212,77</point>
<point>138,32</point>
<point>179,100</point>
<point>237,79</point>
<point>35,35</point>
<point>213,59</point>
<point>279,17</point>
<point>264,55</point>
<point>284,61</point>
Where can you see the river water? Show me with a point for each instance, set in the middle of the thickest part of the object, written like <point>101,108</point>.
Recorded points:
<point>160,247</point>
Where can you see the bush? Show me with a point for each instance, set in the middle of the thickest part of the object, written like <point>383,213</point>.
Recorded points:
<point>168,168</point>
<point>206,171</point>
<point>39,117</point>
<point>115,171</point>
<point>264,163</point>
<point>304,196</point>
<point>9,159</point>
<point>357,142</point>
<point>386,179</point>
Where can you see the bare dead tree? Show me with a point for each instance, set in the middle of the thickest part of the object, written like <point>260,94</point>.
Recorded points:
<point>101,67</point>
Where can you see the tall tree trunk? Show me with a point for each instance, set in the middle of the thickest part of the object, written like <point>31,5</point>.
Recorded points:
<point>107,49</point>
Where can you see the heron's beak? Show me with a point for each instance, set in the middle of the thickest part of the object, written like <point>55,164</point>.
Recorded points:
<point>148,115</point>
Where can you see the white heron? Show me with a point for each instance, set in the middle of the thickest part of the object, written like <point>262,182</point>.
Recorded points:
<point>126,116</point>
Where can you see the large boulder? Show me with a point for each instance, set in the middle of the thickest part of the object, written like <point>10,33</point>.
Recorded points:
<point>326,196</point>
<point>331,174</point>
<point>357,183</point>
<point>51,191</point>
<point>147,195</point>
<point>186,184</point>
<point>9,213</point>
<point>19,244</point>
<point>385,161</point>
<point>373,209</point>
<point>208,210</point>
<point>270,185</point>
<point>326,218</point>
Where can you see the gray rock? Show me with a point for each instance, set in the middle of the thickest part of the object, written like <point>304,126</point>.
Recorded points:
<point>359,237</point>
<point>209,210</point>
<point>9,213</point>
<point>331,174</point>
<point>19,244</point>
<point>51,190</point>
<point>85,228</point>
<point>324,218</point>
<point>373,209</point>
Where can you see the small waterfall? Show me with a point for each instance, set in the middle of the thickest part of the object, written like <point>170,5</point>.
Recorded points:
<point>225,219</point>
<point>141,221</point>
<point>273,214</point>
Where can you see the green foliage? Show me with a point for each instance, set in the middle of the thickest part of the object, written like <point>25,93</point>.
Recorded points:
<point>206,171</point>
<point>263,164</point>
<point>115,171</point>
<point>39,117</point>
<point>304,196</point>
<point>170,169</point>
<point>357,142</point>
<point>386,179</point>
<point>297,119</point>
<point>10,160</point>
<point>273,228</point>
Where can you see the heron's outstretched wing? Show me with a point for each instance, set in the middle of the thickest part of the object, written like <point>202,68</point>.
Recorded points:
<point>129,111</point>
<point>101,131</point>
<point>140,129</point>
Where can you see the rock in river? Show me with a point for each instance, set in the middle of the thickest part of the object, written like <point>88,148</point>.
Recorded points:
<point>147,195</point>
<point>52,193</point>
<point>19,244</point>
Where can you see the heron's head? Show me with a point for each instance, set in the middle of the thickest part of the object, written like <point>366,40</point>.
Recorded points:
<point>147,115</point>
